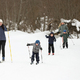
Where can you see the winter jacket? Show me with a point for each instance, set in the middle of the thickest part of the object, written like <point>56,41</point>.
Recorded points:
<point>51,39</point>
<point>2,33</point>
<point>65,36</point>
<point>62,28</point>
<point>35,47</point>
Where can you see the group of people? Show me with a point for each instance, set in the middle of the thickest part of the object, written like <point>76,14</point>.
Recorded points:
<point>64,33</point>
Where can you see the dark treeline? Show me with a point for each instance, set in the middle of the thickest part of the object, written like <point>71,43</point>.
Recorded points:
<point>24,13</point>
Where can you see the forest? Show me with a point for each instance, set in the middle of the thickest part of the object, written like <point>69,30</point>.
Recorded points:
<point>28,15</point>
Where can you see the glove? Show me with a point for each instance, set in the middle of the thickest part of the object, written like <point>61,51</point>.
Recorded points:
<point>45,35</point>
<point>55,40</point>
<point>40,48</point>
<point>58,32</point>
<point>28,44</point>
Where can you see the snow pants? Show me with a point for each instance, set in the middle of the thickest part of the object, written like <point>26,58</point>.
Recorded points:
<point>65,43</point>
<point>49,48</point>
<point>2,46</point>
<point>35,55</point>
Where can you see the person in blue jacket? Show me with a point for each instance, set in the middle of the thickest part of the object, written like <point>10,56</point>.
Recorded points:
<point>2,39</point>
<point>50,41</point>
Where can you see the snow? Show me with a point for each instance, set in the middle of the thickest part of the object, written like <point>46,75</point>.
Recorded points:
<point>77,24</point>
<point>64,20</point>
<point>55,31</point>
<point>37,30</point>
<point>21,22</point>
<point>64,65</point>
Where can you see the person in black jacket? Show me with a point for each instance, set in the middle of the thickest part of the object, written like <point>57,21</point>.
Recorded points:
<point>50,41</point>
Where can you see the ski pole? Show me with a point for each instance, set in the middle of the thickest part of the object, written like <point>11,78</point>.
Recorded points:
<point>0,56</point>
<point>55,47</point>
<point>29,52</point>
<point>61,43</point>
<point>72,41</point>
<point>41,57</point>
<point>9,45</point>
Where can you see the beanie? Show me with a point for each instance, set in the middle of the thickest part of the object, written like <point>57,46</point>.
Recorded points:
<point>64,31</point>
<point>37,41</point>
<point>1,20</point>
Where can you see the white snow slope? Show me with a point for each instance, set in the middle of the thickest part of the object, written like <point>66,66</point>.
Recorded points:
<point>64,65</point>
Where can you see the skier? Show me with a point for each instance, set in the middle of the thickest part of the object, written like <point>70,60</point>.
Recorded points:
<point>2,39</point>
<point>65,36</point>
<point>50,41</point>
<point>62,28</point>
<point>35,52</point>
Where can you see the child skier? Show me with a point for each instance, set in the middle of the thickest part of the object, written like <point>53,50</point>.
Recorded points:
<point>65,37</point>
<point>51,40</point>
<point>35,52</point>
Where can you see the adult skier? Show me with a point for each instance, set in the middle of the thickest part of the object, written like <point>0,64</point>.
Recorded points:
<point>62,27</point>
<point>2,39</point>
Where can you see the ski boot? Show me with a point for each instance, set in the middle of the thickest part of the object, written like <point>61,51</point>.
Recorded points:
<point>3,58</point>
<point>37,63</point>
<point>52,53</point>
<point>49,54</point>
<point>31,62</point>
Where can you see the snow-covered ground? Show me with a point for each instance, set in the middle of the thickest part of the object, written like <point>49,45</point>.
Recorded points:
<point>64,65</point>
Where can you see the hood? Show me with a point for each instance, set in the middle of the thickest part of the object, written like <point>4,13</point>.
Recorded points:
<point>51,33</point>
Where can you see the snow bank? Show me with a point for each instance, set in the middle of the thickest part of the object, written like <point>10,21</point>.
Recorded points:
<point>76,23</point>
<point>64,20</point>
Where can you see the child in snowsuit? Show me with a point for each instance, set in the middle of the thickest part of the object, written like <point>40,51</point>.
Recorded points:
<point>50,41</point>
<point>35,52</point>
<point>65,37</point>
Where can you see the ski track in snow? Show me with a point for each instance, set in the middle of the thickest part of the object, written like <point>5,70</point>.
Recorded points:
<point>64,65</point>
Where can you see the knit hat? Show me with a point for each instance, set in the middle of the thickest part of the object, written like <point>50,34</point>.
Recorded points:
<point>1,20</point>
<point>37,41</point>
<point>64,31</point>
<point>51,33</point>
